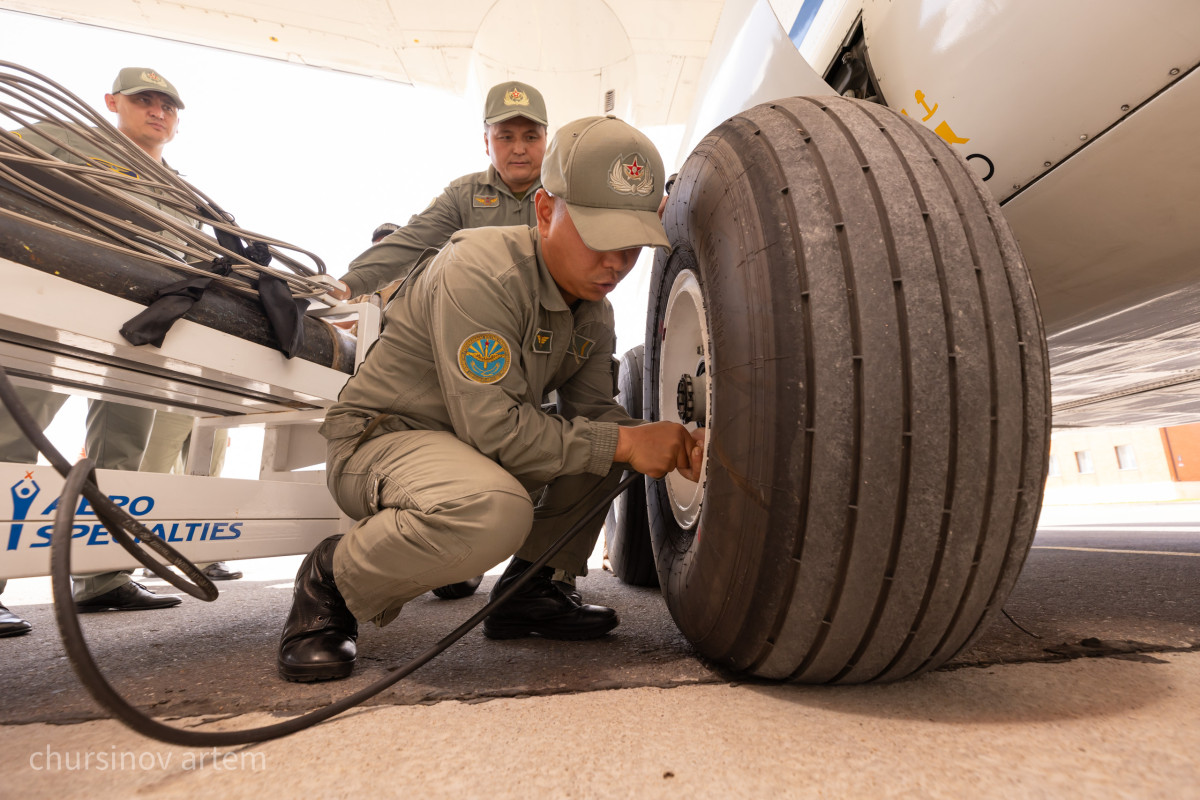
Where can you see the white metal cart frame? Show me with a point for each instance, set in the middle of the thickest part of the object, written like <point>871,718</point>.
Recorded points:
<point>62,336</point>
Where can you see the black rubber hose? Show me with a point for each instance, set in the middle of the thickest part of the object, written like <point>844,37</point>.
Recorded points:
<point>123,527</point>
<point>81,479</point>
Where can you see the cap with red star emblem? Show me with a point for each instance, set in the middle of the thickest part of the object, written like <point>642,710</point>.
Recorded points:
<point>611,176</point>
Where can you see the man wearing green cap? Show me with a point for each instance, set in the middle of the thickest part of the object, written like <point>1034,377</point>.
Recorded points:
<point>437,441</point>
<point>514,139</point>
<point>146,105</point>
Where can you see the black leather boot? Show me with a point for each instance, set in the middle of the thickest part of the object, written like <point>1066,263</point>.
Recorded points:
<point>455,591</point>
<point>542,609</point>
<point>318,642</point>
<point>570,591</point>
<point>11,624</point>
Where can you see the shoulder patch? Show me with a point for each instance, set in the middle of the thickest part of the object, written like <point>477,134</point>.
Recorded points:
<point>484,357</point>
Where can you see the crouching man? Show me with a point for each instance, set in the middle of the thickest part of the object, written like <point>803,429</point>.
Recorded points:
<point>437,441</point>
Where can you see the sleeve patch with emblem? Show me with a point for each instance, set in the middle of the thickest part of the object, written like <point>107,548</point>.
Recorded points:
<point>581,346</point>
<point>484,357</point>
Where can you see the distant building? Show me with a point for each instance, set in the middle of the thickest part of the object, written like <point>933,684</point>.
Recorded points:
<point>1122,465</point>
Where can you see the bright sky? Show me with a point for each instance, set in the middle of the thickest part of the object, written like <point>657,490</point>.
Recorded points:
<point>313,157</point>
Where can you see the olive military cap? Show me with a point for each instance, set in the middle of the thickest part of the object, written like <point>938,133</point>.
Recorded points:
<point>514,99</point>
<point>611,176</point>
<point>383,230</point>
<point>134,80</point>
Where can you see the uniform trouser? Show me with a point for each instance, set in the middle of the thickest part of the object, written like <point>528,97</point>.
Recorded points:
<point>42,406</point>
<point>167,448</point>
<point>168,445</point>
<point>432,511</point>
<point>116,436</point>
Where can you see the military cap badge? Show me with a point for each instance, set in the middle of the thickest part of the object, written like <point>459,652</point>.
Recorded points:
<point>515,97</point>
<point>631,176</point>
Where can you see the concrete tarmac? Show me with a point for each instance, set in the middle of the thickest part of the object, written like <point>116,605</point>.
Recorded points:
<point>1092,689</point>
<point>1085,728</point>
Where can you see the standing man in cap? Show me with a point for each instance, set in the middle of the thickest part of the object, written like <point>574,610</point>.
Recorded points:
<point>437,441</point>
<point>514,138</point>
<point>147,108</point>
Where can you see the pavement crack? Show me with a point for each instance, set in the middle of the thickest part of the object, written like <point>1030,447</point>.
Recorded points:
<point>1091,647</point>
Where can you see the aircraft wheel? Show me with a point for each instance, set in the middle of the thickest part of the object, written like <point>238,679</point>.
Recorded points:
<point>627,529</point>
<point>847,312</point>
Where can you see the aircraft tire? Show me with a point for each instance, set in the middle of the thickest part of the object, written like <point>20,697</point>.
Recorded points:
<point>875,391</point>
<point>627,528</point>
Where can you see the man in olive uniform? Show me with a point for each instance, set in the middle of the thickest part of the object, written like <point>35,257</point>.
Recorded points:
<point>147,106</point>
<point>514,139</point>
<point>437,441</point>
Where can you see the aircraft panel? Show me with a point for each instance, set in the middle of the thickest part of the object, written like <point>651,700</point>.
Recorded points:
<point>1130,198</point>
<point>1026,84</point>
<point>575,51</point>
<point>1114,251</point>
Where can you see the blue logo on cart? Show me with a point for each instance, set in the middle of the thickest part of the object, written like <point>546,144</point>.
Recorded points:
<point>26,490</point>
<point>23,493</point>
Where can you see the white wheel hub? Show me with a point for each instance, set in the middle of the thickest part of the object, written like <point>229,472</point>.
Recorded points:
<point>684,368</point>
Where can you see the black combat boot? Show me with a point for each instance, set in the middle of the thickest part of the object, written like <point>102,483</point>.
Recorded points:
<point>11,624</point>
<point>456,591</point>
<point>542,609</point>
<point>568,588</point>
<point>318,642</point>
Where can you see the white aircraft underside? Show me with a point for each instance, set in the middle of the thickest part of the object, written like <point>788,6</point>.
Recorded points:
<point>1082,115</point>
<point>647,53</point>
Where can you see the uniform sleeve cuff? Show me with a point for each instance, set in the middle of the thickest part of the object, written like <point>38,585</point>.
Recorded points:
<point>357,287</point>
<point>604,447</point>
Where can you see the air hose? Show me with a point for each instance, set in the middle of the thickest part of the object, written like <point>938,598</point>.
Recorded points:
<point>81,479</point>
